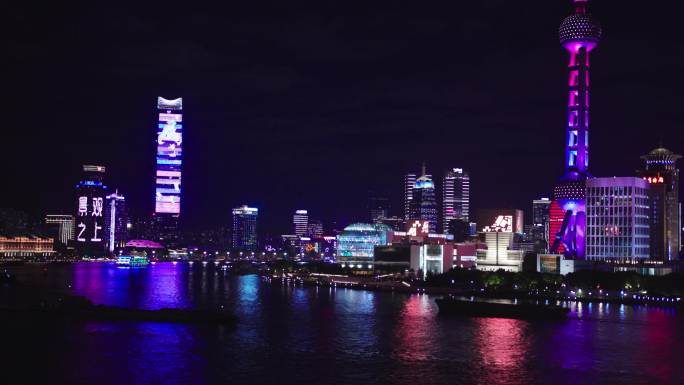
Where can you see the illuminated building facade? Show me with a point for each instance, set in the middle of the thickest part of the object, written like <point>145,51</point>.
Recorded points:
<point>455,197</point>
<point>245,228</point>
<point>116,221</point>
<point>579,33</point>
<point>22,247</point>
<point>499,253</point>
<point>432,258</point>
<point>90,200</point>
<point>423,205</point>
<point>617,218</point>
<point>409,184</point>
<point>315,228</point>
<point>661,173</point>
<point>300,221</point>
<point>167,206</point>
<point>356,243</point>
<point>64,227</point>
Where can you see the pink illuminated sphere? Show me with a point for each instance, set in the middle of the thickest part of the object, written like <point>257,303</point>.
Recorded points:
<point>579,30</point>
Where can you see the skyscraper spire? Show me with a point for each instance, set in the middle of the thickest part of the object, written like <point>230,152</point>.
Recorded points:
<point>424,170</point>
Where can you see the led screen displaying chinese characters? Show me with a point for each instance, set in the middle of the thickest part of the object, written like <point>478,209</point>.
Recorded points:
<point>169,159</point>
<point>90,217</point>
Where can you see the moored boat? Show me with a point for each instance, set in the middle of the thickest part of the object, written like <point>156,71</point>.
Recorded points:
<point>132,260</point>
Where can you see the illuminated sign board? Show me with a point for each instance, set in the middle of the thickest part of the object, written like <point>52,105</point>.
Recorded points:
<point>502,223</point>
<point>169,156</point>
<point>418,228</point>
<point>89,221</point>
<point>549,264</point>
<point>654,179</point>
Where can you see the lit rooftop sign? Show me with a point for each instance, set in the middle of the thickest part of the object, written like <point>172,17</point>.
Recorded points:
<point>419,228</point>
<point>502,223</point>
<point>654,179</point>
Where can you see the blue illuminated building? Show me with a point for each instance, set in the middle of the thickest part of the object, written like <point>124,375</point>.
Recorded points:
<point>423,206</point>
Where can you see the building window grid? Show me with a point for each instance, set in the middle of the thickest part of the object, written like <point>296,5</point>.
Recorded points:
<point>617,219</point>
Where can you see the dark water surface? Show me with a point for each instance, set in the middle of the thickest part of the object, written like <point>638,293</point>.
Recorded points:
<point>324,336</point>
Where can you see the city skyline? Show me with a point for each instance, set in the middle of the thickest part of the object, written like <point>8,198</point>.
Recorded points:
<point>239,124</point>
<point>481,192</point>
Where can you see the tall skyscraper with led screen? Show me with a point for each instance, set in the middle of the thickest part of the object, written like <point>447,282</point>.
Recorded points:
<point>90,200</point>
<point>579,33</point>
<point>167,205</point>
<point>169,156</point>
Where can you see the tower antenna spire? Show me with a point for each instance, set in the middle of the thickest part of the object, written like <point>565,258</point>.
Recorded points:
<point>424,169</point>
<point>580,6</point>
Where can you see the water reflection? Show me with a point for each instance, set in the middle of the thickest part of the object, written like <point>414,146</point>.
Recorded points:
<point>325,335</point>
<point>415,335</point>
<point>502,347</point>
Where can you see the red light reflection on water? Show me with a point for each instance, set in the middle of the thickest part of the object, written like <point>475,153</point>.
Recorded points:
<point>501,342</point>
<point>414,334</point>
<point>502,347</point>
<point>661,340</point>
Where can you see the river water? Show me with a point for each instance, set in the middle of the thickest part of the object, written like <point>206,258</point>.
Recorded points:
<point>323,336</point>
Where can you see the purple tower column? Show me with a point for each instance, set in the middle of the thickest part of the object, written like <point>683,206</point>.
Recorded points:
<point>579,33</point>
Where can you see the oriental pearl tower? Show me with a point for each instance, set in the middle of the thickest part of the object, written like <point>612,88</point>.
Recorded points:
<point>579,34</point>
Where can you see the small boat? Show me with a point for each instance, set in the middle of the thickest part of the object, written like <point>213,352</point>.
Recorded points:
<point>132,260</point>
<point>453,306</point>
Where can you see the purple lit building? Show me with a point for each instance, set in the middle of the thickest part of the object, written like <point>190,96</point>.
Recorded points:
<point>579,33</point>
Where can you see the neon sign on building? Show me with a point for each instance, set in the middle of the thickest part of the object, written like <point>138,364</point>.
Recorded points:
<point>502,223</point>
<point>419,227</point>
<point>169,156</point>
<point>654,179</point>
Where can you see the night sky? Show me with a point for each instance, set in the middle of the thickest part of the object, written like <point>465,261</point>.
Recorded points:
<point>289,107</point>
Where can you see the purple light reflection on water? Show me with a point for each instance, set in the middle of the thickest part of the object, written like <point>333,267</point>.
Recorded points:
<point>154,287</point>
<point>333,336</point>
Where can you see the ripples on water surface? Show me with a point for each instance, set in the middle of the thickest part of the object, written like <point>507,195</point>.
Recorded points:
<point>325,336</point>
